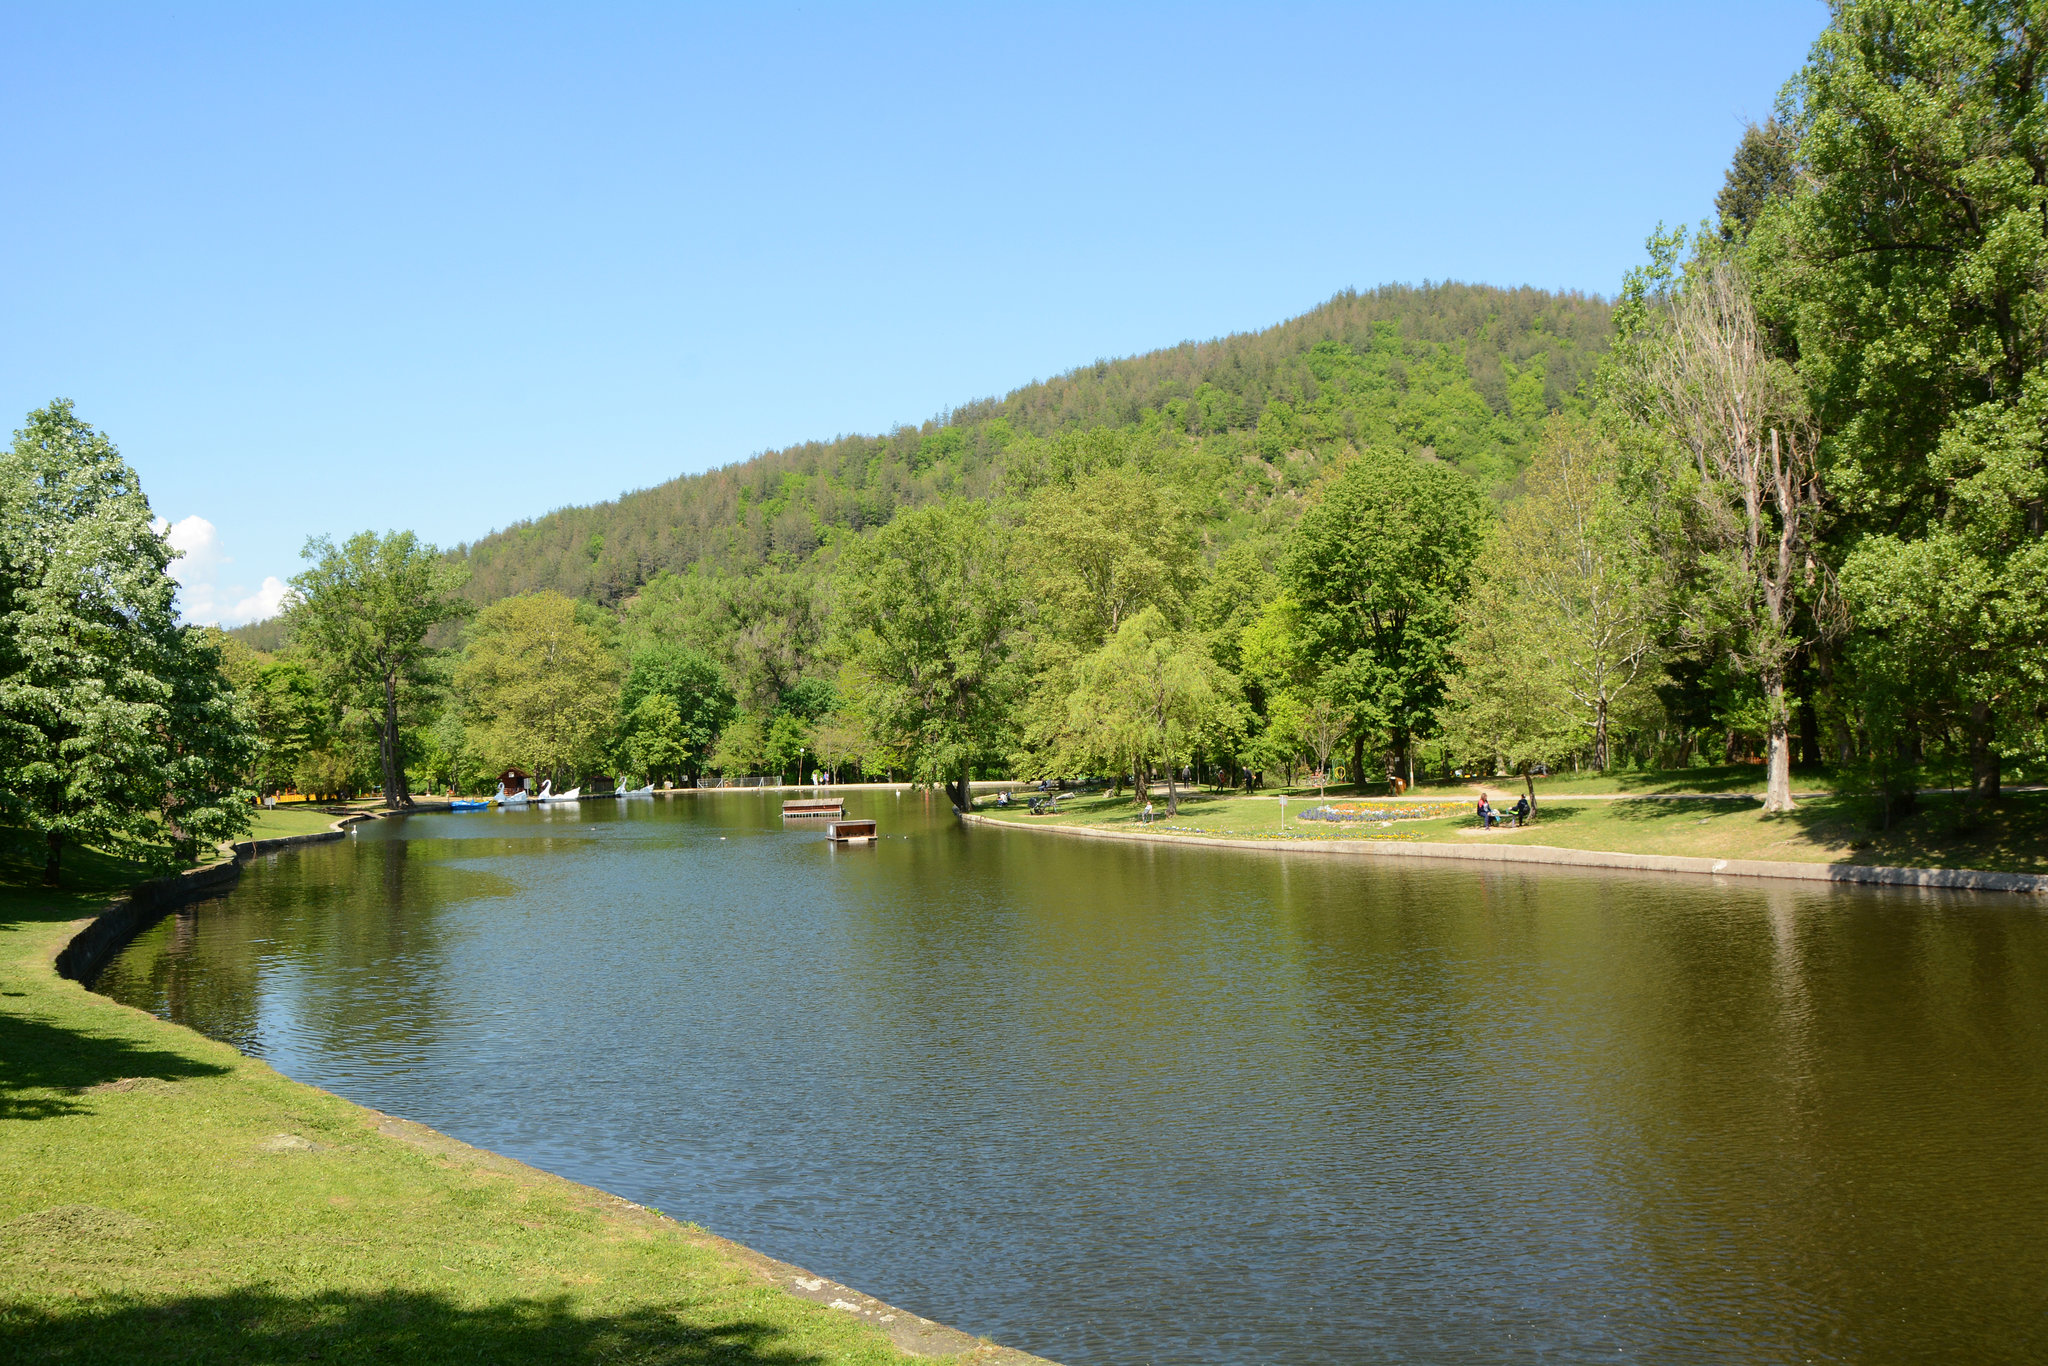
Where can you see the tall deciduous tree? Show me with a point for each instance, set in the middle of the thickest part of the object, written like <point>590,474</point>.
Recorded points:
<point>1561,633</point>
<point>1914,265</point>
<point>927,611</point>
<point>116,724</point>
<point>290,715</point>
<point>1376,570</point>
<point>361,614</point>
<point>1706,378</point>
<point>538,685</point>
<point>672,704</point>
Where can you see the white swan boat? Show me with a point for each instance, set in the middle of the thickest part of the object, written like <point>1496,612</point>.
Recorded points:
<point>646,791</point>
<point>511,799</point>
<point>547,794</point>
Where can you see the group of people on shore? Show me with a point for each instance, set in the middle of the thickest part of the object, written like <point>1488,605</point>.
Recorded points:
<point>1490,817</point>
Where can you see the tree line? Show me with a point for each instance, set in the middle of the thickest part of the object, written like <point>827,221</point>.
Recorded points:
<point>1790,509</point>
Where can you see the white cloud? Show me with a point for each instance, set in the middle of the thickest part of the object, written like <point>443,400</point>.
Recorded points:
<point>205,596</point>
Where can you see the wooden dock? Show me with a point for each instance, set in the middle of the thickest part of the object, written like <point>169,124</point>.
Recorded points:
<point>815,806</point>
<point>851,832</point>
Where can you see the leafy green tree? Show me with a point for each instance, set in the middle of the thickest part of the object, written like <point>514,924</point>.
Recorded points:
<point>742,745</point>
<point>673,703</point>
<point>654,739</point>
<point>1914,267</point>
<point>209,744</point>
<point>116,724</point>
<point>785,743</point>
<point>1376,570</point>
<point>1561,636</point>
<point>538,685</point>
<point>844,739</point>
<point>927,611</point>
<point>1152,697</point>
<point>1322,726</point>
<point>1761,174</point>
<point>764,629</point>
<point>329,769</point>
<point>362,613</point>
<point>1230,599</point>
<point>1102,550</point>
<point>447,755</point>
<point>291,718</point>
<point>1278,744</point>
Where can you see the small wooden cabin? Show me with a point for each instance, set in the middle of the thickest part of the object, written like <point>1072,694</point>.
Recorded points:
<point>815,806</point>
<point>514,781</point>
<point>851,832</point>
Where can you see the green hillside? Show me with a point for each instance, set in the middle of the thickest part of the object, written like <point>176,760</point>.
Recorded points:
<point>1240,424</point>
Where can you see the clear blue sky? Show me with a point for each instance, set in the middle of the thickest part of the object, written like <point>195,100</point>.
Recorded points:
<point>445,268</point>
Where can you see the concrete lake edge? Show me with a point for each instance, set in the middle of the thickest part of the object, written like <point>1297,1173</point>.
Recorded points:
<point>94,941</point>
<point>1951,879</point>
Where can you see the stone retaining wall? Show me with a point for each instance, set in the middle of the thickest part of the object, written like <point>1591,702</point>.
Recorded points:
<point>128,915</point>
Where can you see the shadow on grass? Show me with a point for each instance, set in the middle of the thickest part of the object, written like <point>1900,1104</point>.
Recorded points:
<point>1947,831</point>
<point>1953,831</point>
<point>90,877</point>
<point>1676,810</point>
<point>383,1326</point>
<point>1725,778</point>
<point>43,1066</point>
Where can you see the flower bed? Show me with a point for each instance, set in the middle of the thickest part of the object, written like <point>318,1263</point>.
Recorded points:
<point>1364,813</point>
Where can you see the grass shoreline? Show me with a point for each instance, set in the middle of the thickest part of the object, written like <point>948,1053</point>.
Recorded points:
<point>172,1199</point>
<point>1948,833</point>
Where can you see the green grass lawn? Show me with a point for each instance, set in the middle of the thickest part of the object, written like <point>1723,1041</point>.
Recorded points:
<point>289,820</point>
<point>168,1199</point>
<point>1946,832</point>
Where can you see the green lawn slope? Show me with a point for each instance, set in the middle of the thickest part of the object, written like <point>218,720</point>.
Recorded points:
<point>1947,831</point>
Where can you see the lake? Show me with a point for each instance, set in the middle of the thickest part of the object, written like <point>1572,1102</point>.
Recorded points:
<point>1121,1103</point>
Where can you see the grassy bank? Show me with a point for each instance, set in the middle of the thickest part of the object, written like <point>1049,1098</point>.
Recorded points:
<point>167,1199</point>
<point>1946,832</point>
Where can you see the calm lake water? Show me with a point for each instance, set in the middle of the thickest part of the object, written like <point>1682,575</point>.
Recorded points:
<point>1132,1104</point>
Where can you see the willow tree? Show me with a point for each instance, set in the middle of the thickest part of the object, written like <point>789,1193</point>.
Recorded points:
<point>1150,698</point>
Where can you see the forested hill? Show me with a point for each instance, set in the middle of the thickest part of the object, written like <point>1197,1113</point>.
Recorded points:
<point>1242,424</point>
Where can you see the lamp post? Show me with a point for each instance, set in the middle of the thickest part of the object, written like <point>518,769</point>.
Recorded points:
<point>1283,813</point>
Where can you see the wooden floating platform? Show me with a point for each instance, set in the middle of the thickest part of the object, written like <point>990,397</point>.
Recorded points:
<point>815,806</point>
<point>851,832</point>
